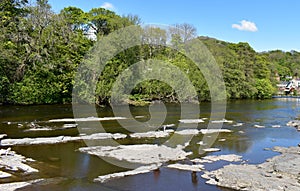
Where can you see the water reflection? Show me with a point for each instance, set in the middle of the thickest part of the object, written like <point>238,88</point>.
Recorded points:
<point>63,160</point>
<point>156,174</point>
<point>194,178</point>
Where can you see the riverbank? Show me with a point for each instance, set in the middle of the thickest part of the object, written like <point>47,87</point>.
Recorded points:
<point>278,173</point>
<point>285,96</point>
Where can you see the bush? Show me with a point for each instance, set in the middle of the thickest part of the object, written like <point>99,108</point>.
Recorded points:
<point>264,89</point>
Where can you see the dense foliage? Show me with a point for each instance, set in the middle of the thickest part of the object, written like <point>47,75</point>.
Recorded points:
<point>41,51</point>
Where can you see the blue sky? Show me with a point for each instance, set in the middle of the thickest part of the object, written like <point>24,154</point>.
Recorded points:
<point>264,24</point>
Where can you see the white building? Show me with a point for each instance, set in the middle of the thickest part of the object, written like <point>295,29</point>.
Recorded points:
<point>293,84</point>
<point>91,34</point>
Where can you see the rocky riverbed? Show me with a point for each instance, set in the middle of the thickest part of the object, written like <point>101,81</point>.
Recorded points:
<point>294,123</point>
<point>281,172</point>
<point>11,161</point>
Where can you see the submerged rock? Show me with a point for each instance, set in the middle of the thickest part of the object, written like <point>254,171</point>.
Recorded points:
<point>203,131</point>
<point>11,161</point>
<point>70,125</point>
<point>4,174</point>
<point>210,131</point>
<point>168,125</point>
<point>99,136</point>
<point>222,121</point>
<point>198,163</point>
<point>238,124</point>
<point>86,119</point>
<point>2,136</point>
<point>188,132</point>
<point>14,186</point>
<point>276,126</point>
<point>215,158</point>
<point>278,173</point>
<point>191,121</point>
<point>35,127</point>
<point>294,123</point>
<point>139,116</point>
<point>229,158</point>
<point>211,150</point>
<point>141,154</point>
<point>201,143</point>
<point>259,126</point>
<point>140,170</point>
<point>39,129</point>
<point>38,182</point>
<point>60,139</point>
<point>164,127</point>
<point>152,134</point>
<point>193,168</point>
<point>37,141</point>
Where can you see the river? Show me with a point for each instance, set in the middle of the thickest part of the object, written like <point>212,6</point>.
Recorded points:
<point>79,169</point>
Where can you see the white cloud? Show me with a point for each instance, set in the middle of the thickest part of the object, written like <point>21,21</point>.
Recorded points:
<point>245,26</point>
<point>107,5</point>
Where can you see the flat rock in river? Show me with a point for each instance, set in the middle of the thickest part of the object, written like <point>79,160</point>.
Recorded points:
<point>30,185</point>
<point>211,131</point>
<point>11,161</point>
<point>60,139</point>
<point>214,158</point>
<point>294,123</point>
<point>145,154</point>
<point>193,168</point>
<point>152,134</point>
<point>140,170</point>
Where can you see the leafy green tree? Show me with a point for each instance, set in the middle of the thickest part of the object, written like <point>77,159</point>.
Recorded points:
<point>264,88</point>
<point>104,21</point>
<point>76,18</point>
<point>41,51</point>
<point>54,50</point>
<point>12,38</point>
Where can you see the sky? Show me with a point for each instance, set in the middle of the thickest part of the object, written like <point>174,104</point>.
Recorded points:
<point>264,24</point>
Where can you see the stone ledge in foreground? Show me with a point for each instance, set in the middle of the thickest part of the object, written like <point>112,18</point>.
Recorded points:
<point>145,154</point>
<point>60,139</point>
<point>278,173</point>
<point>140,170</point>
<point>11,161</point>
<point>38,182</point>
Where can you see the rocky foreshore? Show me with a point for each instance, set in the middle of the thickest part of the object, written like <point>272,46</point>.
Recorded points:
<point>294,123</point>
<point>11,161</point>
<point>281,172</point>
<point>60,139</point>
<point>31,184</point>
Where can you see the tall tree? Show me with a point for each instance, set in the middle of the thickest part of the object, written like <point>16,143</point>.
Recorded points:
<point>11,43</point>
<point>185,31</point>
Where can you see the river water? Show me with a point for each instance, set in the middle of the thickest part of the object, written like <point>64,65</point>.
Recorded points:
<point>79,169</point>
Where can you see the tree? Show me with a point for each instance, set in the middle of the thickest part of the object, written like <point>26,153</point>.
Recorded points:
<point>104,21</point>
<point>76,18</point>
<point>53,51</point>
<point>133,19</point>
<point>154,38</point>
<point>183,31</point>
<point>12,37</point>
<point>264,89</point>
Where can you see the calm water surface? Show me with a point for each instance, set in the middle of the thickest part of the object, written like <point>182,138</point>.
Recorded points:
<point>63,160</point>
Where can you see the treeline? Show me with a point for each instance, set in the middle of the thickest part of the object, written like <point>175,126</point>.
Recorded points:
<point>41,51</point>
<point>250,74</point>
